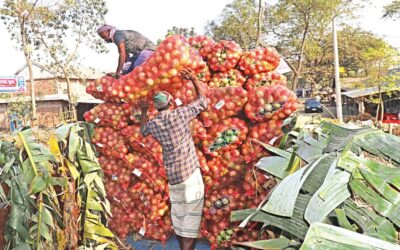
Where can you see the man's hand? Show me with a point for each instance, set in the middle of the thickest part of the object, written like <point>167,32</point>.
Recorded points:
<point>143,104</point>
<point>188,74</point>
<point>114,75</point>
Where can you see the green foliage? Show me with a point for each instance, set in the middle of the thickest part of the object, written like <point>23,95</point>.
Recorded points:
<point>179,31</point>
<point>322,236</point>
<point>41,178</point>
<point>342,187</point>
<point>54,33</point>
<point>238,22</point>
<point>392,10</point>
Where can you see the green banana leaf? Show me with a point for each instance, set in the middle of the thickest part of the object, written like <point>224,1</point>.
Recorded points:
<point>280,243</point>
<point>283,198</point>
<point>369,222</point>
<point>339,136</point>
<point>274,165</point>
<point>295,225</point>
<point>323,236</point>
<point>331,194</point>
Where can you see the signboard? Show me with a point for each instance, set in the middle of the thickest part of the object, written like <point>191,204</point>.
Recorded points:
<point>10,84</point>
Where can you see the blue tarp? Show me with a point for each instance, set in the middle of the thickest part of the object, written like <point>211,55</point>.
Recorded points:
<point>172,244</point>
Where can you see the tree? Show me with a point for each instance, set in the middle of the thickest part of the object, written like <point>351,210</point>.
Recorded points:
<point>56,31</point>
<point>15,15</point>
<point>291,23</point>
<point>179,31</point>
<point>392,10</point>
<point>237,22</point>
<point>353,46</point>
<point>63,29</point>
<point>379,60</point>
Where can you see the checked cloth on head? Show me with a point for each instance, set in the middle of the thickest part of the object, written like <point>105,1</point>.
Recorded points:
<point>187,200</point>
<point>172,130</point>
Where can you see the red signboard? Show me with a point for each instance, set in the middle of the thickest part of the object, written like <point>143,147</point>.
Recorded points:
<point>12,84</point>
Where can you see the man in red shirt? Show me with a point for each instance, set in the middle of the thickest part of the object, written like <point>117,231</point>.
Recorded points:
<point>171,128</point>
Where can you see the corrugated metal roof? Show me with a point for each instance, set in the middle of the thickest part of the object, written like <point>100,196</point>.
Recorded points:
<point>57,97</point>
<point>367,92</point>
<point>361,92</point>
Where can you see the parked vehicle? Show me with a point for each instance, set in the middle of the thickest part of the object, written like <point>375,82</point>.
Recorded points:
<point>312,106</point>
<point>391,118</point>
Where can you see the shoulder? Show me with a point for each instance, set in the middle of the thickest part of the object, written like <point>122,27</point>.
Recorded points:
<point>119,36</point>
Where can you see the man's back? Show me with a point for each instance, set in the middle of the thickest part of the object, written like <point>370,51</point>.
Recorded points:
<point>172,130</point>
<point>134,41</point>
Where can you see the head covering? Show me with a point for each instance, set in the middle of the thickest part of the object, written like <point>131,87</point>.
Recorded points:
<point>104,28</point>
<point>161,99</point>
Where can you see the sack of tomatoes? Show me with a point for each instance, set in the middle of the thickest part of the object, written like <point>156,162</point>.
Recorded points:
<point>248,101</point>
<point>223,103</point>
<point>265,79</point>
<point>264,132</point>
<point>225,136</point>
<point>232,78</point>
<point>224,56</point>
<point>109,114</point>
<point>202,44</point>
<point>274,102</point>
<point>259,60</point>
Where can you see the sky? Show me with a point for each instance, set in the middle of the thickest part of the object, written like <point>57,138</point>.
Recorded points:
<point>153,18</point>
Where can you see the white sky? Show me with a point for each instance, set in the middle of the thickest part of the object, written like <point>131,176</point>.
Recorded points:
<point>153,18</point>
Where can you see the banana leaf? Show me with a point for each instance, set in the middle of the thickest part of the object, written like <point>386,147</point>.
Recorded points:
<point>274,150</point>
<point>280,243</point>
<point>369,222</point>
<point>323,236</point>
<point>339,136</point>
<point>283,198</point>
<point>319,174</point>
<point>374,185</point>
<point>274,165</point>
<point>331,194</point>
<point>343,221</point>
<point>380,144</point>
<point>295,225</point>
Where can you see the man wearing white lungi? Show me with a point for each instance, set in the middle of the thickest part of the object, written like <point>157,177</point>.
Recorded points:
<point>186,188</point>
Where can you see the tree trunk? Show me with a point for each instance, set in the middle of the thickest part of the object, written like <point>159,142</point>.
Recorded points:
<point>71,100</point>
<point>259,22</point>
<point>28,60</point>
<point>300,61</point>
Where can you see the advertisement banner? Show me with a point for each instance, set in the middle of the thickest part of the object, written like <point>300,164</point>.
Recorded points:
<point>9,84</point>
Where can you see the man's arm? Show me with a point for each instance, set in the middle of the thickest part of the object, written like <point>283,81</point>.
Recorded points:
<point>144,106</point>
<point>191,110</point>
<point>198,85</point>
<point>122,57</point>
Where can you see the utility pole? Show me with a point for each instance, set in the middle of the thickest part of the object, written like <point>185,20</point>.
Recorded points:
<point>338,88</point>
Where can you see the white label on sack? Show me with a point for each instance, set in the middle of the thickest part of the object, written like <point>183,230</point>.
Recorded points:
<point>97,120</point>
<point>137,172</point>
<point>142,231</point>
<point>220,104</point>
<point>100,145</point>
<point>114,178</point>
<point>99,88</point>
<point>178,102</point>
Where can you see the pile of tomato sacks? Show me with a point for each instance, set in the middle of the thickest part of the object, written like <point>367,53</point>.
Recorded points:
<point>248,101</point>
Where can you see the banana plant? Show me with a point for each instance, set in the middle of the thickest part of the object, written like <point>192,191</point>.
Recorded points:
<point>56,192</point>
<point>86,179</point>
<point>348,178</point>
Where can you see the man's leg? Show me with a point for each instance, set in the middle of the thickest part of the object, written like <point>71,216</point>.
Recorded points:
<point>179,238</point>
<point>188,243</point>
